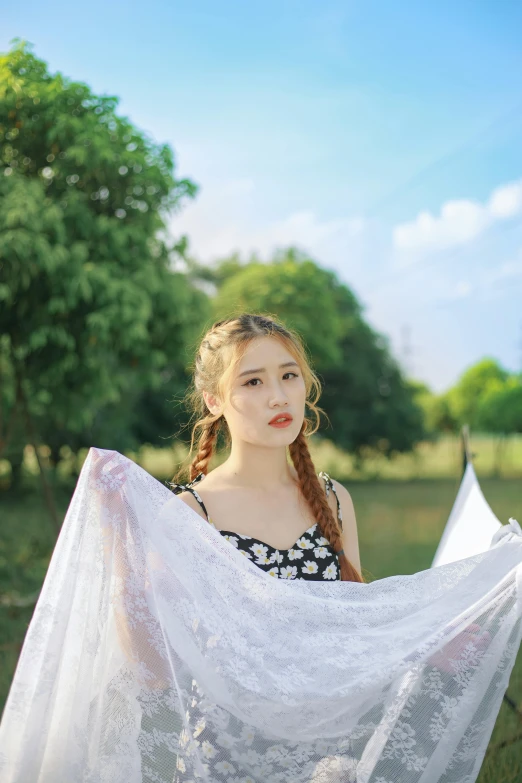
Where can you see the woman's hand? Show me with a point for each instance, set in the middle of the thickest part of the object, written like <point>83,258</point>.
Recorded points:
<point>108,481</point>
<point>134,623</point>
<point>447,659</point>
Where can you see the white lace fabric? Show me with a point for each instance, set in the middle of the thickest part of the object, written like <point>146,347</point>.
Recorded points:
<point>157,653</point>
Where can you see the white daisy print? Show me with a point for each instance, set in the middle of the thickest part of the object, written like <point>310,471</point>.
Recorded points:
<point>209,751</point>
<point>183,738</point>
<point>321,551</point>
<point>310,556</point>
<point>251,757</point>
<point>330,572</point>
<point>226,740</point>
<point>247,734</point>
<point>263,560</point>
<point>200,725</point>
<point>233,540</point>
<point>224,767</point>
<point>288,572</point>
<point>260,551</point>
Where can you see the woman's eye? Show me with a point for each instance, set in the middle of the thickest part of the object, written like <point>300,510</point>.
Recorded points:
<point>251,381</point>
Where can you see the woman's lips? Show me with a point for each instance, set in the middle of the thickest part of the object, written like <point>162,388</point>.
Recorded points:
<point>280,424</point>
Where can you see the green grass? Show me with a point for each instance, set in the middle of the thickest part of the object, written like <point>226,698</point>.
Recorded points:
<point>440,459</point>
<point>400,520</point>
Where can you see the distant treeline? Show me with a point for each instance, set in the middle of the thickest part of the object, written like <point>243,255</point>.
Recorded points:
<point>101,310</point>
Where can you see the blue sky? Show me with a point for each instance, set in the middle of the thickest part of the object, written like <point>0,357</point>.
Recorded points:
<point>383,138</point>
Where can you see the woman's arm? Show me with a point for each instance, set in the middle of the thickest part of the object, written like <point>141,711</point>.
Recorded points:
<point>350,537</point>
<point>447,657</point>
<point>133,620</point>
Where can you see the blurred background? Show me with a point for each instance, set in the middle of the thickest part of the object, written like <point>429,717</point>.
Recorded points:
<point>353,168</point>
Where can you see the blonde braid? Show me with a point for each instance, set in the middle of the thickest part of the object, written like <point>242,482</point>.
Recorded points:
<point>206,447</point>
<point>315,496</point>
<point>220,351</point>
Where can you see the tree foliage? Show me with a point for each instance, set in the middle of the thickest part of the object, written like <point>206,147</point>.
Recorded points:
<point>97,328</point>
<point>500,407</point>
<point>292,287</point>
<point>438,417</point>
<point>368,401</point>
<point>465,397</point>
<point>91,313</point>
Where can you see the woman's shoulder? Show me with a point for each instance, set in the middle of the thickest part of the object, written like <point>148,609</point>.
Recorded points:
<point>188,498</point>
<point>213,482</point>
<point>332,483</point>
<point>188,493</point>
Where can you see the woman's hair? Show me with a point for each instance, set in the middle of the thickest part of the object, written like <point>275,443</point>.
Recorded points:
<point>219,354</point>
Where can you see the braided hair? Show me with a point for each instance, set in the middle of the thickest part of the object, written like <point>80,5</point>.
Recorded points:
<point>220,352</point>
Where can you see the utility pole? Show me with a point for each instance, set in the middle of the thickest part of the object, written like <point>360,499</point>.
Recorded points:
<point>406,350</point>
<point>520,350</point>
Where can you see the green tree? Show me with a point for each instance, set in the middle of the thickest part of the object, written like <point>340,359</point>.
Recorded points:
<point>91,313</point>
<point>465,397</point>
<point>438,417</point>
<point>500,412</point>
<point>294,288</point>
<point>368,402</point>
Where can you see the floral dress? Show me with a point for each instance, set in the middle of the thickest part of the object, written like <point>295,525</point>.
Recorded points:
<point>310,557</point>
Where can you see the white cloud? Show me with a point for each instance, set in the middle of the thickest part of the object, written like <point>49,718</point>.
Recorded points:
<point>509,270</point>
<point>236,187</point>
<point>238,213</point>
<point>224,218</point>
<point>461,290</point>
<point>460,221</point>
<point>305,229</point>
<point>488,284</point>
<point>506,201</point>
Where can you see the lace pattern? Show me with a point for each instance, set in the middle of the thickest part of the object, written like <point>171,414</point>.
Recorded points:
<point>158,653</point>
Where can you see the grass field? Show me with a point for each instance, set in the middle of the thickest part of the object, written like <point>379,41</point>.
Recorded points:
<point>400,518</point>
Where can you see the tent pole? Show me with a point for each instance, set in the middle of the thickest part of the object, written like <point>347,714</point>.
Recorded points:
<point>467,456</point>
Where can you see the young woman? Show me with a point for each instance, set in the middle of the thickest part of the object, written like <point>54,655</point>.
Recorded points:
<point>252,380</point>
<point>250,650</point>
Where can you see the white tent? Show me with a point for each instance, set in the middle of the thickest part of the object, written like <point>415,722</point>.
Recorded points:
<point>470,526</point>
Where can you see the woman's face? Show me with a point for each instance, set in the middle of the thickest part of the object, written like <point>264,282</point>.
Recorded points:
<point>261,389</point>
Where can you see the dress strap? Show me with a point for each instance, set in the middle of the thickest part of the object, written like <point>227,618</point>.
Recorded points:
<point>178,488</point>
<point>330,486</point>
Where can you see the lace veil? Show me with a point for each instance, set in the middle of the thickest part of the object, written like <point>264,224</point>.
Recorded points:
<point>158,653</point>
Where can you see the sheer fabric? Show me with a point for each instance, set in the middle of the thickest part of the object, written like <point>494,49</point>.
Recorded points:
<point>158,652</point>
